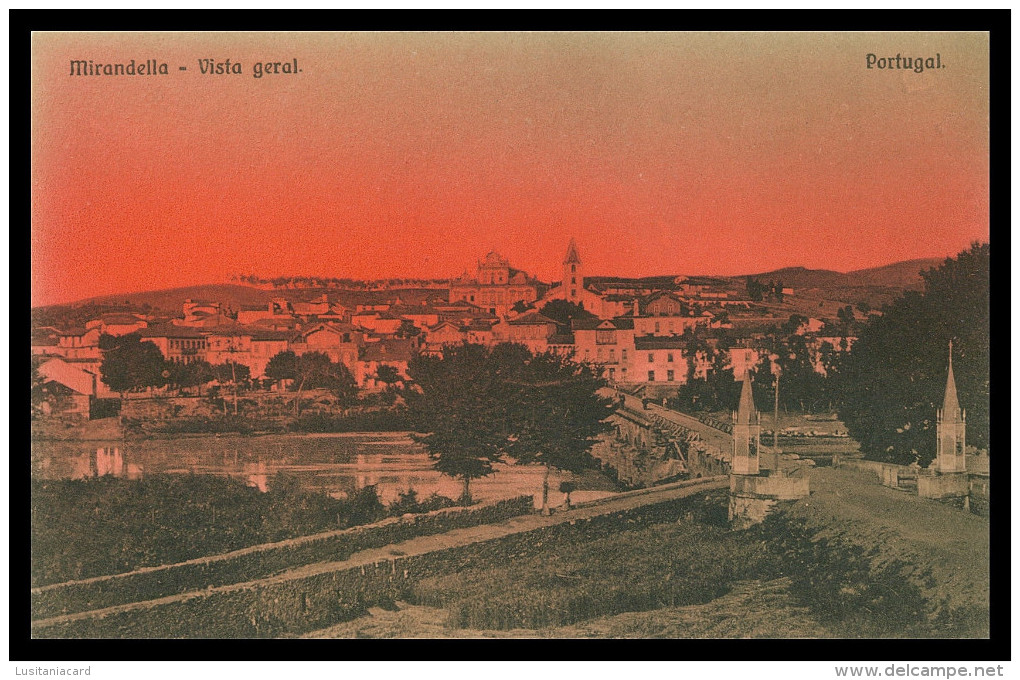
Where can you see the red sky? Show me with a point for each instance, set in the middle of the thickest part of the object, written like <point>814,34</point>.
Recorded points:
<point>415,154</point>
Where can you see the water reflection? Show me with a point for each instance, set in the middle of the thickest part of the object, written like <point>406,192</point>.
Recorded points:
<point>337,465</point>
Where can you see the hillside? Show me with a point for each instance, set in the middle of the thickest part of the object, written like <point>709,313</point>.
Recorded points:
<point>229,295</point>
<point>877,285</point>
<point>903,275</point>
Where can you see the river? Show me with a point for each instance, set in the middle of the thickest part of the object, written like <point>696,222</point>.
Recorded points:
<point>334,464</point>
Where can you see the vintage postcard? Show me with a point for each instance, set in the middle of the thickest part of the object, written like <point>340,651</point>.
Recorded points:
<point>510,335</point>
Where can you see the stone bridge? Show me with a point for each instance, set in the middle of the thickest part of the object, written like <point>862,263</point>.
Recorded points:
<point>653,444</point>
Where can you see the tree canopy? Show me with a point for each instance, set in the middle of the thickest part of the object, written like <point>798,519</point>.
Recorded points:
<point>312,370</point>
<point>130,364</point>
<point>479,405</point>
<point>564,311</point>
<point>894,378</point>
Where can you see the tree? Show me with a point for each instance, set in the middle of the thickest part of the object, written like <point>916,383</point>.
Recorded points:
<point>130,364</point>
<point>755,289</point>
<point>282,366</point>
<point>459,405</point>
<point>197,373</point>
<point>777,290</point>
<point>521,306</point>
<point>314,370</point>
<point>407,329</point>
<point>567,488</point>
<point>233,373</point>
<point>846,318</point>
<point>554,411</point>
<point>894,377</point>
<point>564,311</point>
<point>387,374</point>
<point>339,381</point>
<point>794,323</point>
<point>478,405</point>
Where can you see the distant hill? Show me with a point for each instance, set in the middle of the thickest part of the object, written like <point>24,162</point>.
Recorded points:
<point>902,275</point>
<point>906,274</point>
<point>877,285</point>
<point>232,296</point>
<point>171,299</point>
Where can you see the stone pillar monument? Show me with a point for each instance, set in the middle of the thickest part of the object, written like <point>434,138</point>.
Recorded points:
<point>951,426</point>
<point>746,433</point>
<point>947,477</point>
<point>753,490</point>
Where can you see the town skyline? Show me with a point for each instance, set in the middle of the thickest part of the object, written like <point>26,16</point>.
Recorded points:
<point>237,278</point>
<point>394,154</point>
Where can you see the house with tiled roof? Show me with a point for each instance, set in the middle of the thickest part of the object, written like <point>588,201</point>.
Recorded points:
<point>180,344</point>
<point>118,324</point>
<point>202,314</point>
<point>79,343</point>
<point>66,388</point>
<point>659,359</point>
<point>379,322</point>
<point>531,329</point>
<point>339,341</point>
<point>45,341</point>
<point>606,342</point>
<point>394,352</point>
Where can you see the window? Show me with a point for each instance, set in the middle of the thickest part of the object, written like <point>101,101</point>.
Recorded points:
<point>612,355</point>
<point>573,268</point>
<point>651,376</point>
<point>669,357</point>
<point>623,355</point>
<point>623,372</point>
<point>656,326</point>
<point>606,337</point>
<point>573,281</point>
<point>573,293</point>
<point>651,358</point>
<point>669,376</point>
<point>612,374</point>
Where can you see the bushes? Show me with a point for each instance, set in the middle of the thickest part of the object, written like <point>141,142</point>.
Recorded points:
<point>206,425</point>
<point>610,565</point>
<point>387,420</point>
<point>861,591</point>
<point>258,561</point>
<point>408,502</point>
<point>392,420</point>
<point>92,527</point>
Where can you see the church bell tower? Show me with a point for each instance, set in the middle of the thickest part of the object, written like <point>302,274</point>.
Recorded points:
<point>573,277</point>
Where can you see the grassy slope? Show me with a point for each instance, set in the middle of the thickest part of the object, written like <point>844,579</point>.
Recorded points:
<point>849,506</point>
<point>955,544</point>
<point>753,609</point>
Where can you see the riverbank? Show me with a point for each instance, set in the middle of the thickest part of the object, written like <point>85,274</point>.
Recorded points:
<point>168,424</point>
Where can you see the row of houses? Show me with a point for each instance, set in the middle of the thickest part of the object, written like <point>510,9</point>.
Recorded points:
<point>638,330</point>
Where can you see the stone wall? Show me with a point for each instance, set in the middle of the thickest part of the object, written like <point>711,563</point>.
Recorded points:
<point>887,474</point>
<point>319,595</point>
<point>260,560</point>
